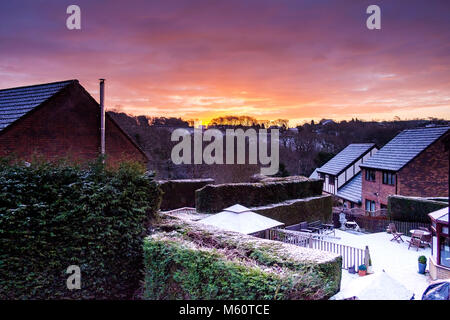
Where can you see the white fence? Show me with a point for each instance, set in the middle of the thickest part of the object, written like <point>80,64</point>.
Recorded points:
<point>351,257</point>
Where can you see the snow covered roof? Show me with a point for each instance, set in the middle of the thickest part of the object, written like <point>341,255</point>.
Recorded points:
<point>352,190</point>
<point>241,219</point>
<point>404,147</point>
<point>440,215</point>
<point>346,158</point>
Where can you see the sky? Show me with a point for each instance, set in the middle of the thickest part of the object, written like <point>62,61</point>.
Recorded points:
<point>270,59</point>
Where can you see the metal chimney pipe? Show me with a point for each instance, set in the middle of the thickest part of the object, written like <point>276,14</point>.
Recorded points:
<point>102,116</point>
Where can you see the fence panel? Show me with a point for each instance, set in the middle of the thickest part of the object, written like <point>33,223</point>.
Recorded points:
<point>350,256</point>
<point>379,223</point>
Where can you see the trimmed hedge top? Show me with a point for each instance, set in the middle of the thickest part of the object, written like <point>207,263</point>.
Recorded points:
<point>189,260</point>
<point>214,198</point>
<point>413,209</point>
<point>56,215</point>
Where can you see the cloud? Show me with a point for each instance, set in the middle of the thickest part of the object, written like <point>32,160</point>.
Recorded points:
<point>279,59</point>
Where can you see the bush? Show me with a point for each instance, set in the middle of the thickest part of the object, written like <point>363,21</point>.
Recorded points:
<point>295,211</point>
<point>192,261</point>
<point>214,198</point>
<point>412,209</point>
<point>181,193</point>
<point>56,215</point>
<point>422,260</point>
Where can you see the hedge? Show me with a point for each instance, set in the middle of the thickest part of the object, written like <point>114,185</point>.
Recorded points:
<point>413,209</point>
<point>56,215</point>
<point>180,193</point>
<point>192,261</point>
<point>295,211</point>
<point>214,198</point>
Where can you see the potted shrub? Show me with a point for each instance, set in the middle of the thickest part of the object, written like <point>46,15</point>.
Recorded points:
<point>422,264</point>
<point>362,270</point>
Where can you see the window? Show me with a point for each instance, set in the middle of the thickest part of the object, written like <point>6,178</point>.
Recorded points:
<point>370,205</point>
<point>388,178</point>
<point>445,252</point>
<point>331,180</point>
<point>370,175</point>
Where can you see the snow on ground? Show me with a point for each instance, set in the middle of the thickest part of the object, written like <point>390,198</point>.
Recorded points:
<point>398,262</point>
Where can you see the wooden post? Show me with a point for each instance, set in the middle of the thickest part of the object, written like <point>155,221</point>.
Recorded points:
<point>366,256</point>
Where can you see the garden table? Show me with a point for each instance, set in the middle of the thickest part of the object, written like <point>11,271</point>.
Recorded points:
<point>423,232</point>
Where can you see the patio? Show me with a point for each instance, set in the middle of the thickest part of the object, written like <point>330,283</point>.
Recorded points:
<point>395,258</point>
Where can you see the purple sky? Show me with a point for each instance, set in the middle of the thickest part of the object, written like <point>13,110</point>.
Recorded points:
<point>292,59</point>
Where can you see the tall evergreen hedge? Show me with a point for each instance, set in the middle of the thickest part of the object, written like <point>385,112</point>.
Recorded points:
<point>214,198</point>
<point>56,215</point>
<point>413,209</point>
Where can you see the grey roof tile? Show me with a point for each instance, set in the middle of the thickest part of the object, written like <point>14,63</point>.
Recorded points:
<point>16,102</point>
<point>345,158</point>
<point>404,147</point>
<point>352,189</point>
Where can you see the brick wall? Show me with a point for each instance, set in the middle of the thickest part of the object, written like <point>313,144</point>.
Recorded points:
<point>375,190</point>
<point>426,175</point>
<point>67,126</point>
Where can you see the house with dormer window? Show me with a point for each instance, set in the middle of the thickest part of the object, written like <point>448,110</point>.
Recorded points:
<point>342,174</point>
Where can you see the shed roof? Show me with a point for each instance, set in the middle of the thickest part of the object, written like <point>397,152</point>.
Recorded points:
<point>404,148</point>
<point>352,190</point>
<point>240,219</point>
<point>16,102</point>
<point>345,158</point>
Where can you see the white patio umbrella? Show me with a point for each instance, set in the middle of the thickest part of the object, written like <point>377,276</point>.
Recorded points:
<point>240,219</point>
<point>377,286</point>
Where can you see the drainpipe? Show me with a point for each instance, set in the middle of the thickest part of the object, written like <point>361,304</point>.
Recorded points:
<point>102,117</point>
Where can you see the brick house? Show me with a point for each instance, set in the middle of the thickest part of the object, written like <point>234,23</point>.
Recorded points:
<point>414,163</point>
<point>341,174</point>
<point>60,119</point>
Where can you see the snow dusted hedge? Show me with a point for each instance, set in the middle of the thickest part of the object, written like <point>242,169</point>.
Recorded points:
<point>214,198</point>
<point>413,209</point>
<point>180,193</point>
<point>188,260</point>
<point>294,211</point>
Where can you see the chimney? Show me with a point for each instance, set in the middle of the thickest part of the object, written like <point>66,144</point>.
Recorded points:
<point>102,116</point>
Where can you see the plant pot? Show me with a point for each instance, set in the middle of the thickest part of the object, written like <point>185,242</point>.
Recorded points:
<point>422,267</point>
<point>352,270</point>
<point>362,273</point>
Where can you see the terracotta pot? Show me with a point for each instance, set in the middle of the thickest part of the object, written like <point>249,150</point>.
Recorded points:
<point>362,273</point>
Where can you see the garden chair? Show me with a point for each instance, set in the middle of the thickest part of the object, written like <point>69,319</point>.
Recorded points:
<point>416,240</point>
<point>397,235</point>
<point>426,239</point>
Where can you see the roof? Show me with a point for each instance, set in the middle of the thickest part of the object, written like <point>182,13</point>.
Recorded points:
<point>352,190</point>
<point>240,219</point>
<point>16,102</point>
<point>314,175</point>
<point>440,215</point>
<point>404,147</point>
<point>345,158</point>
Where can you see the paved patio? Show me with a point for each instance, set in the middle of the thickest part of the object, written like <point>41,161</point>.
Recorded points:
<point>395,258</point>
